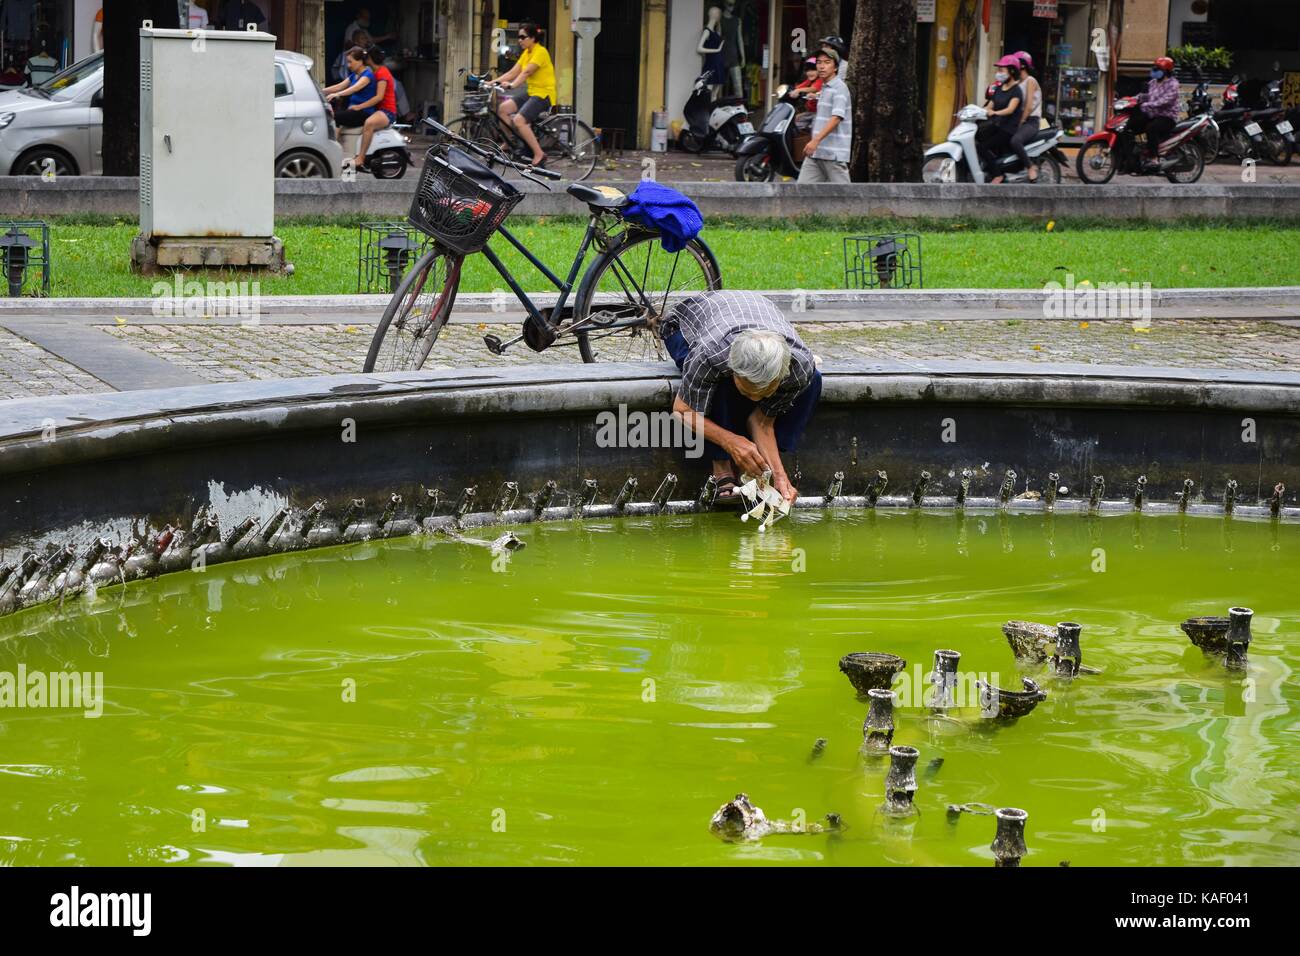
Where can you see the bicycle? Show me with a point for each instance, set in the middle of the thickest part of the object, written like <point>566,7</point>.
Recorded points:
<point>628,287</point>
<point>570,145</point>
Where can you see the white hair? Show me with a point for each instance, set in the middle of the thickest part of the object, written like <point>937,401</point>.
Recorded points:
<point>760,357</point>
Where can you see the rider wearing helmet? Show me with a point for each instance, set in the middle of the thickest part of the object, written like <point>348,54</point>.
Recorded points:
<point>1159,107</point>
<point>994,138</point>
<point>826,157</point>
<point>1031,113</point>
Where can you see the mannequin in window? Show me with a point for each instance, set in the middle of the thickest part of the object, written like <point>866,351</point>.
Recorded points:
<point>733,49</point>
<point>710,47</point>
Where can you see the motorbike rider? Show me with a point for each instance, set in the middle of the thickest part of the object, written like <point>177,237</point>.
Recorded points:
<point>809,86</point>
<point>1004,109</point>
<point>1031,113</point>
<point>1159,107</point>
<point>826,157</point>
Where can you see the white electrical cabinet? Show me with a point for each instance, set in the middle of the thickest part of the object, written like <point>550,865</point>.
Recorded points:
<point>207,133</point>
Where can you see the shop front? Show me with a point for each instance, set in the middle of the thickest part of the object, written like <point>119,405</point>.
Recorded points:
<point>1058,35</point>
<point>36,40</point>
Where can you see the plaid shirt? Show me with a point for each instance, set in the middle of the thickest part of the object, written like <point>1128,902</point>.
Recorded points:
<point>710,323</point>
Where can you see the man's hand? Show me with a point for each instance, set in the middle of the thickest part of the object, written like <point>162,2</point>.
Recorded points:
<point>810,147</point>
<point>786,490</point>
<point>747,456</point>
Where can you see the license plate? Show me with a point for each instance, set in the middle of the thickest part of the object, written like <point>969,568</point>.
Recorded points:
<point>746,129</point>
<point>1253,129</point>
<point>1284,127</point>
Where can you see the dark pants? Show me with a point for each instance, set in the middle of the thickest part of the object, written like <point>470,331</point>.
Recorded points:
<point>1028,130</point>
<point>1156,128</point>
<point>349,118</point>
<point>731,410</point>
<point>992,142</point>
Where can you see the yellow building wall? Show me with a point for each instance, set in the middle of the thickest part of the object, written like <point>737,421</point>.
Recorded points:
<point>942,80</point>
<point>561,46</point>
<point>654,46</point>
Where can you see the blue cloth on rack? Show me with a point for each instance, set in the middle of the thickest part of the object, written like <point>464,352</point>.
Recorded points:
<point>661,207</point>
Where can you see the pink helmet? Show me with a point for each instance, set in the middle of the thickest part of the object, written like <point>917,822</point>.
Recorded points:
<point>1025,58</point>
<point>1011,59</point>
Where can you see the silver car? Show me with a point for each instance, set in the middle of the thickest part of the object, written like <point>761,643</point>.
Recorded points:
<point>59,124</point>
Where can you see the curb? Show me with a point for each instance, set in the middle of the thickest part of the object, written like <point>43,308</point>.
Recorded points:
<point>1283,298</point>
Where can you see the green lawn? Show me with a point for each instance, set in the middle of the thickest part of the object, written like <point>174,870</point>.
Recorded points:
<point>90,258</point>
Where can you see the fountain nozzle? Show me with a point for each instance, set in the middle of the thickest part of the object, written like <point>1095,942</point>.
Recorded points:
<point>1008,844</point>
<point>1238,637</point>
<point>900,782</point>
<point>878,728</point>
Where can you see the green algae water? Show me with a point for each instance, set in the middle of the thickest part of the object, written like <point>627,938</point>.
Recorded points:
<point>598,698</point>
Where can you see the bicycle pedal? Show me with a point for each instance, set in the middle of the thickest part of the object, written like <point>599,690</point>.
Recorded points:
<point>493,344</point>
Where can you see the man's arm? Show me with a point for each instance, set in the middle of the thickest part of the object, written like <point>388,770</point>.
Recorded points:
<point>816,141</point>
<point>747,455</point>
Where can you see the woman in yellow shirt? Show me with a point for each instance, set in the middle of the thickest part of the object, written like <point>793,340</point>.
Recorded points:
<point>534,67</point>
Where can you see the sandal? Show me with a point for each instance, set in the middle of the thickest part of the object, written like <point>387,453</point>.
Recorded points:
<point>727,493</point>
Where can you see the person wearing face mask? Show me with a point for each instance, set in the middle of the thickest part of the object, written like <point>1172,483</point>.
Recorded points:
<point>1159,107</point>
<point>994,137</point>
<point>1031,112</point>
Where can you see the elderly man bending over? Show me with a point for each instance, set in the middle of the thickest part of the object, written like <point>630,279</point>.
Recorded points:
<point>748,383</point>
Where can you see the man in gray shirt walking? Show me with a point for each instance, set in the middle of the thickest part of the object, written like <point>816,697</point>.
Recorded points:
<point>826,157</point>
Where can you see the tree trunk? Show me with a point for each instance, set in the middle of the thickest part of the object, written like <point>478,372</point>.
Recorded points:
<point>888,133</point>
<point>122,78</point>
<point>823,21</point>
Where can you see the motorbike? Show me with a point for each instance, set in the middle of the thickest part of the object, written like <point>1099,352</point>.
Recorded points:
<point>1114,149</point>
<point>777,148</point>
<point>389,155</point>
<point>1201,104</point>
<point>710,123</point>
<point>957,160</point>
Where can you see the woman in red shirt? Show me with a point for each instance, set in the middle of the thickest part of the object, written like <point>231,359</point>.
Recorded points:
<point>384,103</point>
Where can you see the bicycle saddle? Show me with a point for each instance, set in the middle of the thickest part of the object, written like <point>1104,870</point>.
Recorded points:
<point>606,197</point>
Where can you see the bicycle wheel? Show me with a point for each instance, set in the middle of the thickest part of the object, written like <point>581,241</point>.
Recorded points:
<point>415,314</point>
<point>570,146</point>
<point>631,286</point>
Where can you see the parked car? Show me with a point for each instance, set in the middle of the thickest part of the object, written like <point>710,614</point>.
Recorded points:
<point>60,123</point>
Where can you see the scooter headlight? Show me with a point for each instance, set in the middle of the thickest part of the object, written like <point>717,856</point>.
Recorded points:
<point>6,119</point>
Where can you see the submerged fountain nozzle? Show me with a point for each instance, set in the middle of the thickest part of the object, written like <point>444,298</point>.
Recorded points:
<point>310,516</point>
<point>1185,496</point>
<point>708,494</point>
<point>963,486</point>
<point>625,493</point>
<point>878,728</point>
<point>900,782</point>
<point>390,509</point>
<point>1049,493</point>
<point>1008,844</point>
<point>877,487</point>
<point>354,507</point>
<point>663,494</point>
<point>1238,637</point>
<point>506,496</point>
<point>833,489</point>
<point>96,553</point>
<point>1229,496</point>
<point>918,492</point>
<point>272,526</point>
<point>1139,491</point>
<point>1008,489</point>
<point>944,678</point>
<point>1275,503</point>
<point>542,500</point>
<point>871,670</point>
<point>1068,656</point>
<point>1098,490</point>
<point>589,491</point>
<point>239,532</point>
<point>466,501</point>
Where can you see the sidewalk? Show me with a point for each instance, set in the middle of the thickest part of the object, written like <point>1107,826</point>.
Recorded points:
<point>66,354</point>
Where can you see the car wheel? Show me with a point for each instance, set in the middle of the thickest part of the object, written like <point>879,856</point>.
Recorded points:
<point>301,164</point>
<point>35,162</point>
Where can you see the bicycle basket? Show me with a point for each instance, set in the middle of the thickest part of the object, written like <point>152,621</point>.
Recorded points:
<point>459,201</point>
<point>475,103</point>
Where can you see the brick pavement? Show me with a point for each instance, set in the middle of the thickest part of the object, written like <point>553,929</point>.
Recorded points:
<point>234,353</point>
<point>29,371</point>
